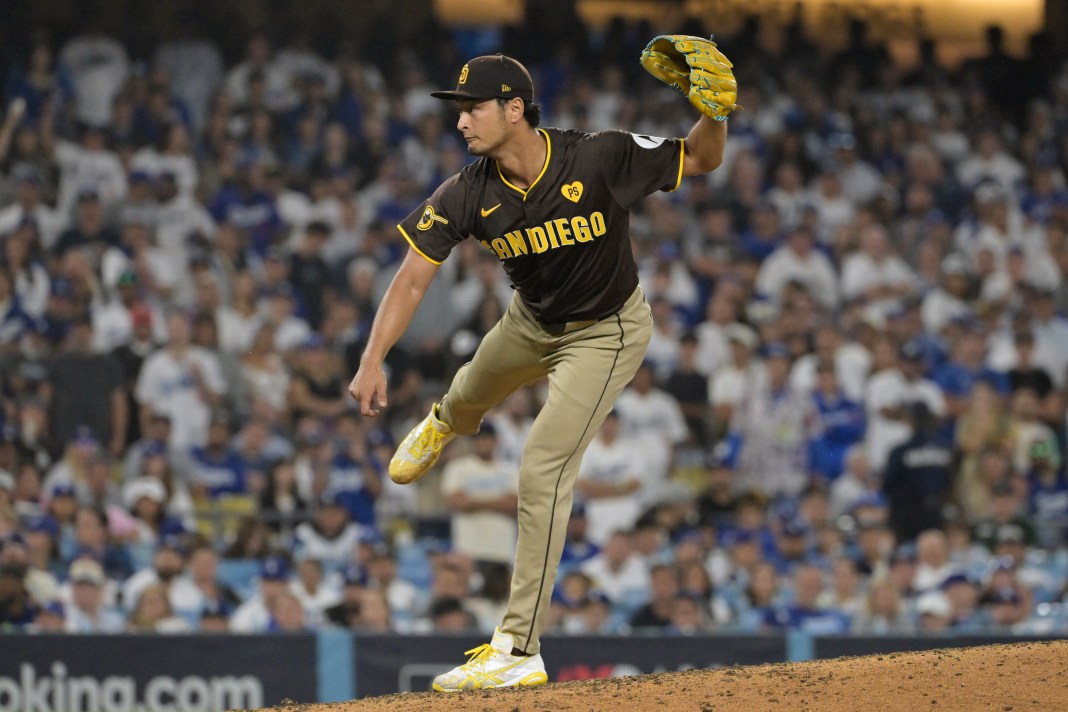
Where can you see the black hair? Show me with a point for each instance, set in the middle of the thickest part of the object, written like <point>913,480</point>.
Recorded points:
<point>531,110</point>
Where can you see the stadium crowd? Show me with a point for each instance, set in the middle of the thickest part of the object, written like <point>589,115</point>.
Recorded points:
<point>852,416</point>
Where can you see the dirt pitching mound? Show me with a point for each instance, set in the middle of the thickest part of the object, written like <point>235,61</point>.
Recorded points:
<point>1024,676</point>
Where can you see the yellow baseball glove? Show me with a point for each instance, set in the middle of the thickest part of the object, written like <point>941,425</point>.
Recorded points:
<point>696,68</point>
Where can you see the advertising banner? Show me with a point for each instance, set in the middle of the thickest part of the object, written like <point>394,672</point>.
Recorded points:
<point>154,673</point>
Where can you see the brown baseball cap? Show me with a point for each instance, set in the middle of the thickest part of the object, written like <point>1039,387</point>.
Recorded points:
<point>491,77</point>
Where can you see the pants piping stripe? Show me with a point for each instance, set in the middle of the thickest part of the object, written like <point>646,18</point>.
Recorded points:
<point>556,489</point>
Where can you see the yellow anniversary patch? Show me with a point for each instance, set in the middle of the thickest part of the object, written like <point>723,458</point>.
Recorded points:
<point>572,191</point>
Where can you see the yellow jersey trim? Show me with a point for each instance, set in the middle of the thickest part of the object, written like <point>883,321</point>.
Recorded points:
<point>548,155</point>
<point>411,242</point>
<point>682,162</point>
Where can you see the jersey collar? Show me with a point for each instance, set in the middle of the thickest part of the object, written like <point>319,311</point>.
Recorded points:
<point>548,155</point>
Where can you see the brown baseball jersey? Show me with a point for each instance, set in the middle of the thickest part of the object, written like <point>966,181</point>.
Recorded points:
<point>564,241</point>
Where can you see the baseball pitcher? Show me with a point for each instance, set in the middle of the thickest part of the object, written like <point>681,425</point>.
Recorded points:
<point>552,205</point>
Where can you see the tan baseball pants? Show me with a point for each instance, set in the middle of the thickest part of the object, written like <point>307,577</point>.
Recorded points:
<point>588,365</point>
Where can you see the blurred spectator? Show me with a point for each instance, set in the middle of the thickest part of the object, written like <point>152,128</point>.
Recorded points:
<point>252,541</point>
<point>663,592</point>
<point>92,539</point>
<point>216,469</point>
<point>168,571</point>
<point>1047,502</point>
<point>355,476</point>
<point>214,618</point>
<point>317,388</point>
<point>651,418</point>
<point>87,612</point>
<point>182,381</point>
<point>256,614</point>
<point>145,498</point>
<point>87,390</point>
<point>312,588</point>
<point>281,503</point>
<point>330,536</point>
<point>448,615</point>
<point>578,549</point>
<point>610,480</point>
<point>346,612</point>
<point>884,612</point>
<point>918,479</point>
<point>287,615</point>
<point>483,492</point>
<point>835,424</point>
<point>769,431</point>
<point>618,572</point>
<point>152,613</point>
<point>803,612</point>
<point>798,261</point>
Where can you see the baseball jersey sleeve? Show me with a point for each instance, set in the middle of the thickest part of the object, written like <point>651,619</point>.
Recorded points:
<point>441,222</point>
<point>637,165</point>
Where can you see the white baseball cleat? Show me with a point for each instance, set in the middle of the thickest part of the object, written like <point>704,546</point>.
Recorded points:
<point>420,449</point>
<point>493,665</point>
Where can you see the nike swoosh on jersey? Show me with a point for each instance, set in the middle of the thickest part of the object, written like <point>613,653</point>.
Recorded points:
<point>485,213</point>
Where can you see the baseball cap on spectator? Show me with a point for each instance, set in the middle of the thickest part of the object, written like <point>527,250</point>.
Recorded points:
<point>742,334</point>
<point>794,527</point>
<point>954,264</point>
<point>842,141</point>
<point>954,579</point>
<point>1010,534</point>
<point>1042,450</point>
<point>329,498</point>
<point>904,553</point>
<point>354,575</point>
<point>86,570</point>
<point>1005,595</point>
<point>216,608</point>
<point>173,542</point>
<point>63,489</point>
<point>491,77</point>
<point>934,603</point>
<point>737,537</point>
<point>911,350</point>
<point>274,568</point>
<point>990,192</point>
<point>140,176</point>
<point>54,608</point>
<point>87,195</point>
<point>83,437</point>
<point>776,350</point>
<point>41,524</point>
<point>126,278</point>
